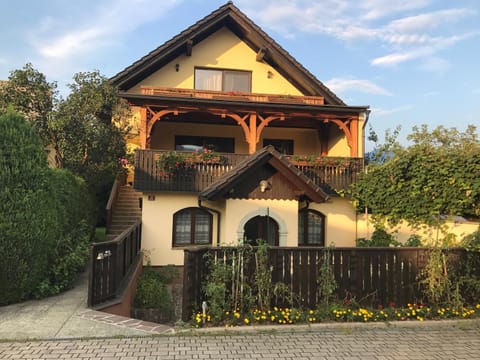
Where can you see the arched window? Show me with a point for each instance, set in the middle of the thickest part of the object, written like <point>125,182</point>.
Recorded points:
<point>311,228</point>
<point>192,226</point>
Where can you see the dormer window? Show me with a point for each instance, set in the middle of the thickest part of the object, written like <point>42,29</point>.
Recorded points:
<point>223,80</point>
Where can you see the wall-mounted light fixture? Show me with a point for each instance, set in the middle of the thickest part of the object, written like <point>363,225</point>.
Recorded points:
<point>104,255</point>
<point>269,74</point>
<point>264,186</point>
<point>177,67</point>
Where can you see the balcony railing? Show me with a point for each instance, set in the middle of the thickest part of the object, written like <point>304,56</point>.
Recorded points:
<point>233,96</point>
<point>336,173</point>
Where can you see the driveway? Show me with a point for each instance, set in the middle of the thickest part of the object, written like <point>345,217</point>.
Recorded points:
<point>446,340</point>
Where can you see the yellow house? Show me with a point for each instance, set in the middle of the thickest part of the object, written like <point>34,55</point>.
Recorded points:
<point>239,142</point>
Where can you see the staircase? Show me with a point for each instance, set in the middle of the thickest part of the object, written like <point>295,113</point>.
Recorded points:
<point>126,211</point>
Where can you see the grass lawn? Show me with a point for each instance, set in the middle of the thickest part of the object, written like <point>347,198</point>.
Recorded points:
<point>100,234</point>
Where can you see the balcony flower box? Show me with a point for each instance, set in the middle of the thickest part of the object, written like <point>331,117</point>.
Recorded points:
<point>172,163</point>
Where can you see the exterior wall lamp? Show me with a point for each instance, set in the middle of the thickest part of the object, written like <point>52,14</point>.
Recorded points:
<point>106,254</point>
<point>265,185</point>
<point>177,67</point>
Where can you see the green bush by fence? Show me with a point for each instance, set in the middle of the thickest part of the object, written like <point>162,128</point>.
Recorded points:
<point>45,223</point>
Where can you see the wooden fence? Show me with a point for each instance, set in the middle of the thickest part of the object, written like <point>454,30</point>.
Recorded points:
<point>110,263</point>
<point>373,276</point>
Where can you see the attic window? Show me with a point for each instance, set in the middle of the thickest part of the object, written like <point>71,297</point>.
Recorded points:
<point>223,80</point>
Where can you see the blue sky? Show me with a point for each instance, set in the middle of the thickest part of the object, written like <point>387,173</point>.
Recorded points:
<point>412,61</point>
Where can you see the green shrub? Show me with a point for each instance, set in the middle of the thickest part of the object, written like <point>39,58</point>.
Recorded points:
<point>46,221</point>
<point>152,292</point>
<point>471,241</point>
<point>413,241</point>
<point>380,238</point>
<point>75,223</point>
<point>28,222</point>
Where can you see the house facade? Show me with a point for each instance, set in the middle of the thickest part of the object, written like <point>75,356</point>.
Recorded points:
<point>238,142</point>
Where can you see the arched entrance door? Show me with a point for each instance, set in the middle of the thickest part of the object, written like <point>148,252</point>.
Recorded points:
<point>261,228</point>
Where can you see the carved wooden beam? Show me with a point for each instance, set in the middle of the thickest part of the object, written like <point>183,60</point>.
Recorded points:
<point>157,117</point>
<point>261,54</point>
<point>346,130</point>
<point>189,48</point>
<point>265,121</point>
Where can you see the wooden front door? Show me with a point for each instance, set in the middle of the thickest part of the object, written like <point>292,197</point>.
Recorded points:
<point>261,228</point>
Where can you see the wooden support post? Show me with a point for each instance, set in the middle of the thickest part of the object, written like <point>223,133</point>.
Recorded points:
<point>323,135</point>
<point>252,136</point>
<point>354,134</point>
<point>143,128</point>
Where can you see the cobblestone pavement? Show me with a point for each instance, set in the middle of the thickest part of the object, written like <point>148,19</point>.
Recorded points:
<point>456,340</point>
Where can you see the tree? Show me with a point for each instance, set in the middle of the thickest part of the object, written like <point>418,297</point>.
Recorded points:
<point>86,131</point>
<point>91,126</point>
<point>435,176</point>
<point>28,92</point>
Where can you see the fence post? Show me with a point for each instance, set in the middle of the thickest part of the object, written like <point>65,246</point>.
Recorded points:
<point>188,285</point>
<point>91,277</point>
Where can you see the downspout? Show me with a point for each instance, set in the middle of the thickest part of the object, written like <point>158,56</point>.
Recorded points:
<point>367,115</point>
<point>218,218</point>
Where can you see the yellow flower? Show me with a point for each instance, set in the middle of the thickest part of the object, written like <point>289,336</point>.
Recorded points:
<point>246,321</point>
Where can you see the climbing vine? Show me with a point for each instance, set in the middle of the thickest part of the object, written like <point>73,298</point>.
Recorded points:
<point>434,178</point>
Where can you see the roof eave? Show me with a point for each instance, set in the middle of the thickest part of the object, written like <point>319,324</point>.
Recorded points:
<point>151,99</point>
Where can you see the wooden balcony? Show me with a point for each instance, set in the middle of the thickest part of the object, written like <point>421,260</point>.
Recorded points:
<point>336,173</point>
<point>233,96</point>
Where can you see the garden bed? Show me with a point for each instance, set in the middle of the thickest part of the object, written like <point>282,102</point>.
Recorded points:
<point>334,313</point>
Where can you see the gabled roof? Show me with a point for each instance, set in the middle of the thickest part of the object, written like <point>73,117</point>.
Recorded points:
<point>229,16</point>
<point>269,155</point>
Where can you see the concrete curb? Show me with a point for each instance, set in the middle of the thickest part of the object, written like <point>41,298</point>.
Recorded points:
<point>330,326</point>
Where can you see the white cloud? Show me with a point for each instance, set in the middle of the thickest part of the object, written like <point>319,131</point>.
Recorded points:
<point>385,112</point>
<point>342,85</point>
<point>72,43</point>
<point>394,59</point>
<point>376,9</point>
<point>55,40</point>
<point>428,20</point>
<point>397,33</point>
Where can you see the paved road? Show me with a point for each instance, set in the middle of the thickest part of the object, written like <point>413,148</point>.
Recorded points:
<point>455,340</point>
